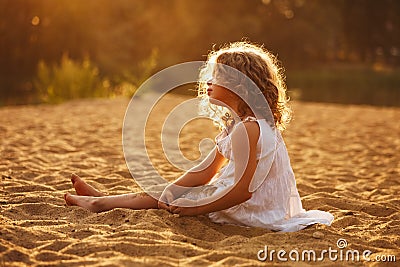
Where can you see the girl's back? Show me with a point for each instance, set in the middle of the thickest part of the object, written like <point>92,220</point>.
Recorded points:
<point>275,203</point>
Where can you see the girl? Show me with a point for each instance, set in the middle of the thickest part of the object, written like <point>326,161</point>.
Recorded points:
<point>256,187</point>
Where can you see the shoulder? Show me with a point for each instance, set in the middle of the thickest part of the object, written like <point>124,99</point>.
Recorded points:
<point>249,130</point>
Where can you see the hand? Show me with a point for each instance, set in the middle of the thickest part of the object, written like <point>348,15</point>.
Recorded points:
<point>185,207</point>
<point>185,211</point>
<point>166,198</point>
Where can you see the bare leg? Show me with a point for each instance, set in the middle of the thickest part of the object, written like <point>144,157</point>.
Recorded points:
<point>84,189</point>
<point>90,198</point>
<point>100,204</point>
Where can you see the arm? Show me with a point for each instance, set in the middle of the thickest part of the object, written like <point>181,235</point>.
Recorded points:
<point>244,149</point>
<point>202,173</point>
<point>198,175</point>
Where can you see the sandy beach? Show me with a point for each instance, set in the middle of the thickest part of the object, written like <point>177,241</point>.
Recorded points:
<point>346,160</point>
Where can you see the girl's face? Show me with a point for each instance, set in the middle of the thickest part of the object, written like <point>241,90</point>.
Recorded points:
<point>221,96</point>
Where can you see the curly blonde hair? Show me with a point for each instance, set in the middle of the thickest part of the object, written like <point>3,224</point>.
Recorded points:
<point>258,65</point>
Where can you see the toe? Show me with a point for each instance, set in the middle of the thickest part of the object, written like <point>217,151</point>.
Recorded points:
<point>74,178</point>
<point>66,199</point>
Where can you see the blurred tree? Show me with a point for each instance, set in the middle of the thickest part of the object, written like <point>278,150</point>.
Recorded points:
<point>16,33</point>
<point>118,36</point>
<point>371,29</point>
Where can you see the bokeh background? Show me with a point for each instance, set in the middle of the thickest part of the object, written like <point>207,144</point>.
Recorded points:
<point>343,51</point>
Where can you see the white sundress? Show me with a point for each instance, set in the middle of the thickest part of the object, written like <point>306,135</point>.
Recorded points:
<point>275,203</point>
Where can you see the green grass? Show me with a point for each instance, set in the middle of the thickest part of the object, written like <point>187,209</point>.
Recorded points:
<point>73,79</point>
<point>69,80</point>
<point>346,84</point>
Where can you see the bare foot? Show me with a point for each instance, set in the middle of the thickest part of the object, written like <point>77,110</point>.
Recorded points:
<point>87,202</point>
<point>84,189</point>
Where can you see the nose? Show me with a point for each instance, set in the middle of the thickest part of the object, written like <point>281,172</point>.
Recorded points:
<point>209,83</point>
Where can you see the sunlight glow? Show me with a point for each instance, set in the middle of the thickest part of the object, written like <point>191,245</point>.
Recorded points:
<point>289,14</point>
<point>35,21</point>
